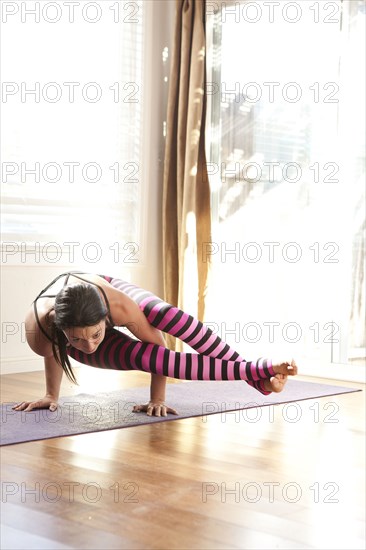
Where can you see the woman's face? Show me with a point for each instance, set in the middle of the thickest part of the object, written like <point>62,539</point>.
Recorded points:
<point>86,339</point>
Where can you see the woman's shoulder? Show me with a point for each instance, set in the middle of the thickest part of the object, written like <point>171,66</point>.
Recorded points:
<point>75,276</point>
<point>36,339</point>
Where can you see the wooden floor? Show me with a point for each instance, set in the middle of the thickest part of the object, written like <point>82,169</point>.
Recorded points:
<point>213,482</point>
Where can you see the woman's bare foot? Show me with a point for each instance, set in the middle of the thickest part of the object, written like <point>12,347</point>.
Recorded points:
<point>276,383</point>
<point>285,367</point>
<point>283,370</point>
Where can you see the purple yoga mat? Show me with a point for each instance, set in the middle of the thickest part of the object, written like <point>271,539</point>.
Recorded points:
<point>84,413</point>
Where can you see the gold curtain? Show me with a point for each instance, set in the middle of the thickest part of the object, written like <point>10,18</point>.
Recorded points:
<point>186,193</point>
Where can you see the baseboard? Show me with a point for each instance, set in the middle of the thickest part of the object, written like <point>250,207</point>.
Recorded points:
<point>333,371</point>
<point>17,365</point>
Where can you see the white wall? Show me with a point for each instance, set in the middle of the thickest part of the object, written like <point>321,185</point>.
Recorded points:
<point>22,278</point>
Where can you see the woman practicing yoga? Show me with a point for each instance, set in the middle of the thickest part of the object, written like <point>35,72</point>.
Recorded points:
<point>79,321</point>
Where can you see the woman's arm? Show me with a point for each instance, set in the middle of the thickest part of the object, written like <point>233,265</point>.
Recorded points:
<point>53,371</point>
<point>130,315</point>
<point>53,374</point>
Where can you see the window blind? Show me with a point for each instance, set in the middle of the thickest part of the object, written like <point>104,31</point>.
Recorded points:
<point>72,119</point>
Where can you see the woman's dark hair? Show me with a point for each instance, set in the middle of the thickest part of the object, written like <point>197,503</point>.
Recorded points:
<point>78,305</point>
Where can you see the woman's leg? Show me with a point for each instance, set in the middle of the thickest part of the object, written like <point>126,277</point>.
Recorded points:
<point>174,321</point>
<point>119,351</point>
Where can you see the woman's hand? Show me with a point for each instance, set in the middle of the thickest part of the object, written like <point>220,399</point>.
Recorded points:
<point>154,408</point>
<point>46,402</point>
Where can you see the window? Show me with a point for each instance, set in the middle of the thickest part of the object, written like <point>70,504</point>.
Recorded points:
<point>286,155</point>
<point>71,122</point>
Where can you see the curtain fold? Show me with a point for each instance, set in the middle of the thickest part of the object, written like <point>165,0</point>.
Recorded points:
<point>186,192</point>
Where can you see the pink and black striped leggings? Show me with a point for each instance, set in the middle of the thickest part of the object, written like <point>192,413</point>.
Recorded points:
<point>215,359</point>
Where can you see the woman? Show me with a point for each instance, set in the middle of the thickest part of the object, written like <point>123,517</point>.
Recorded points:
<point>79,321</point>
